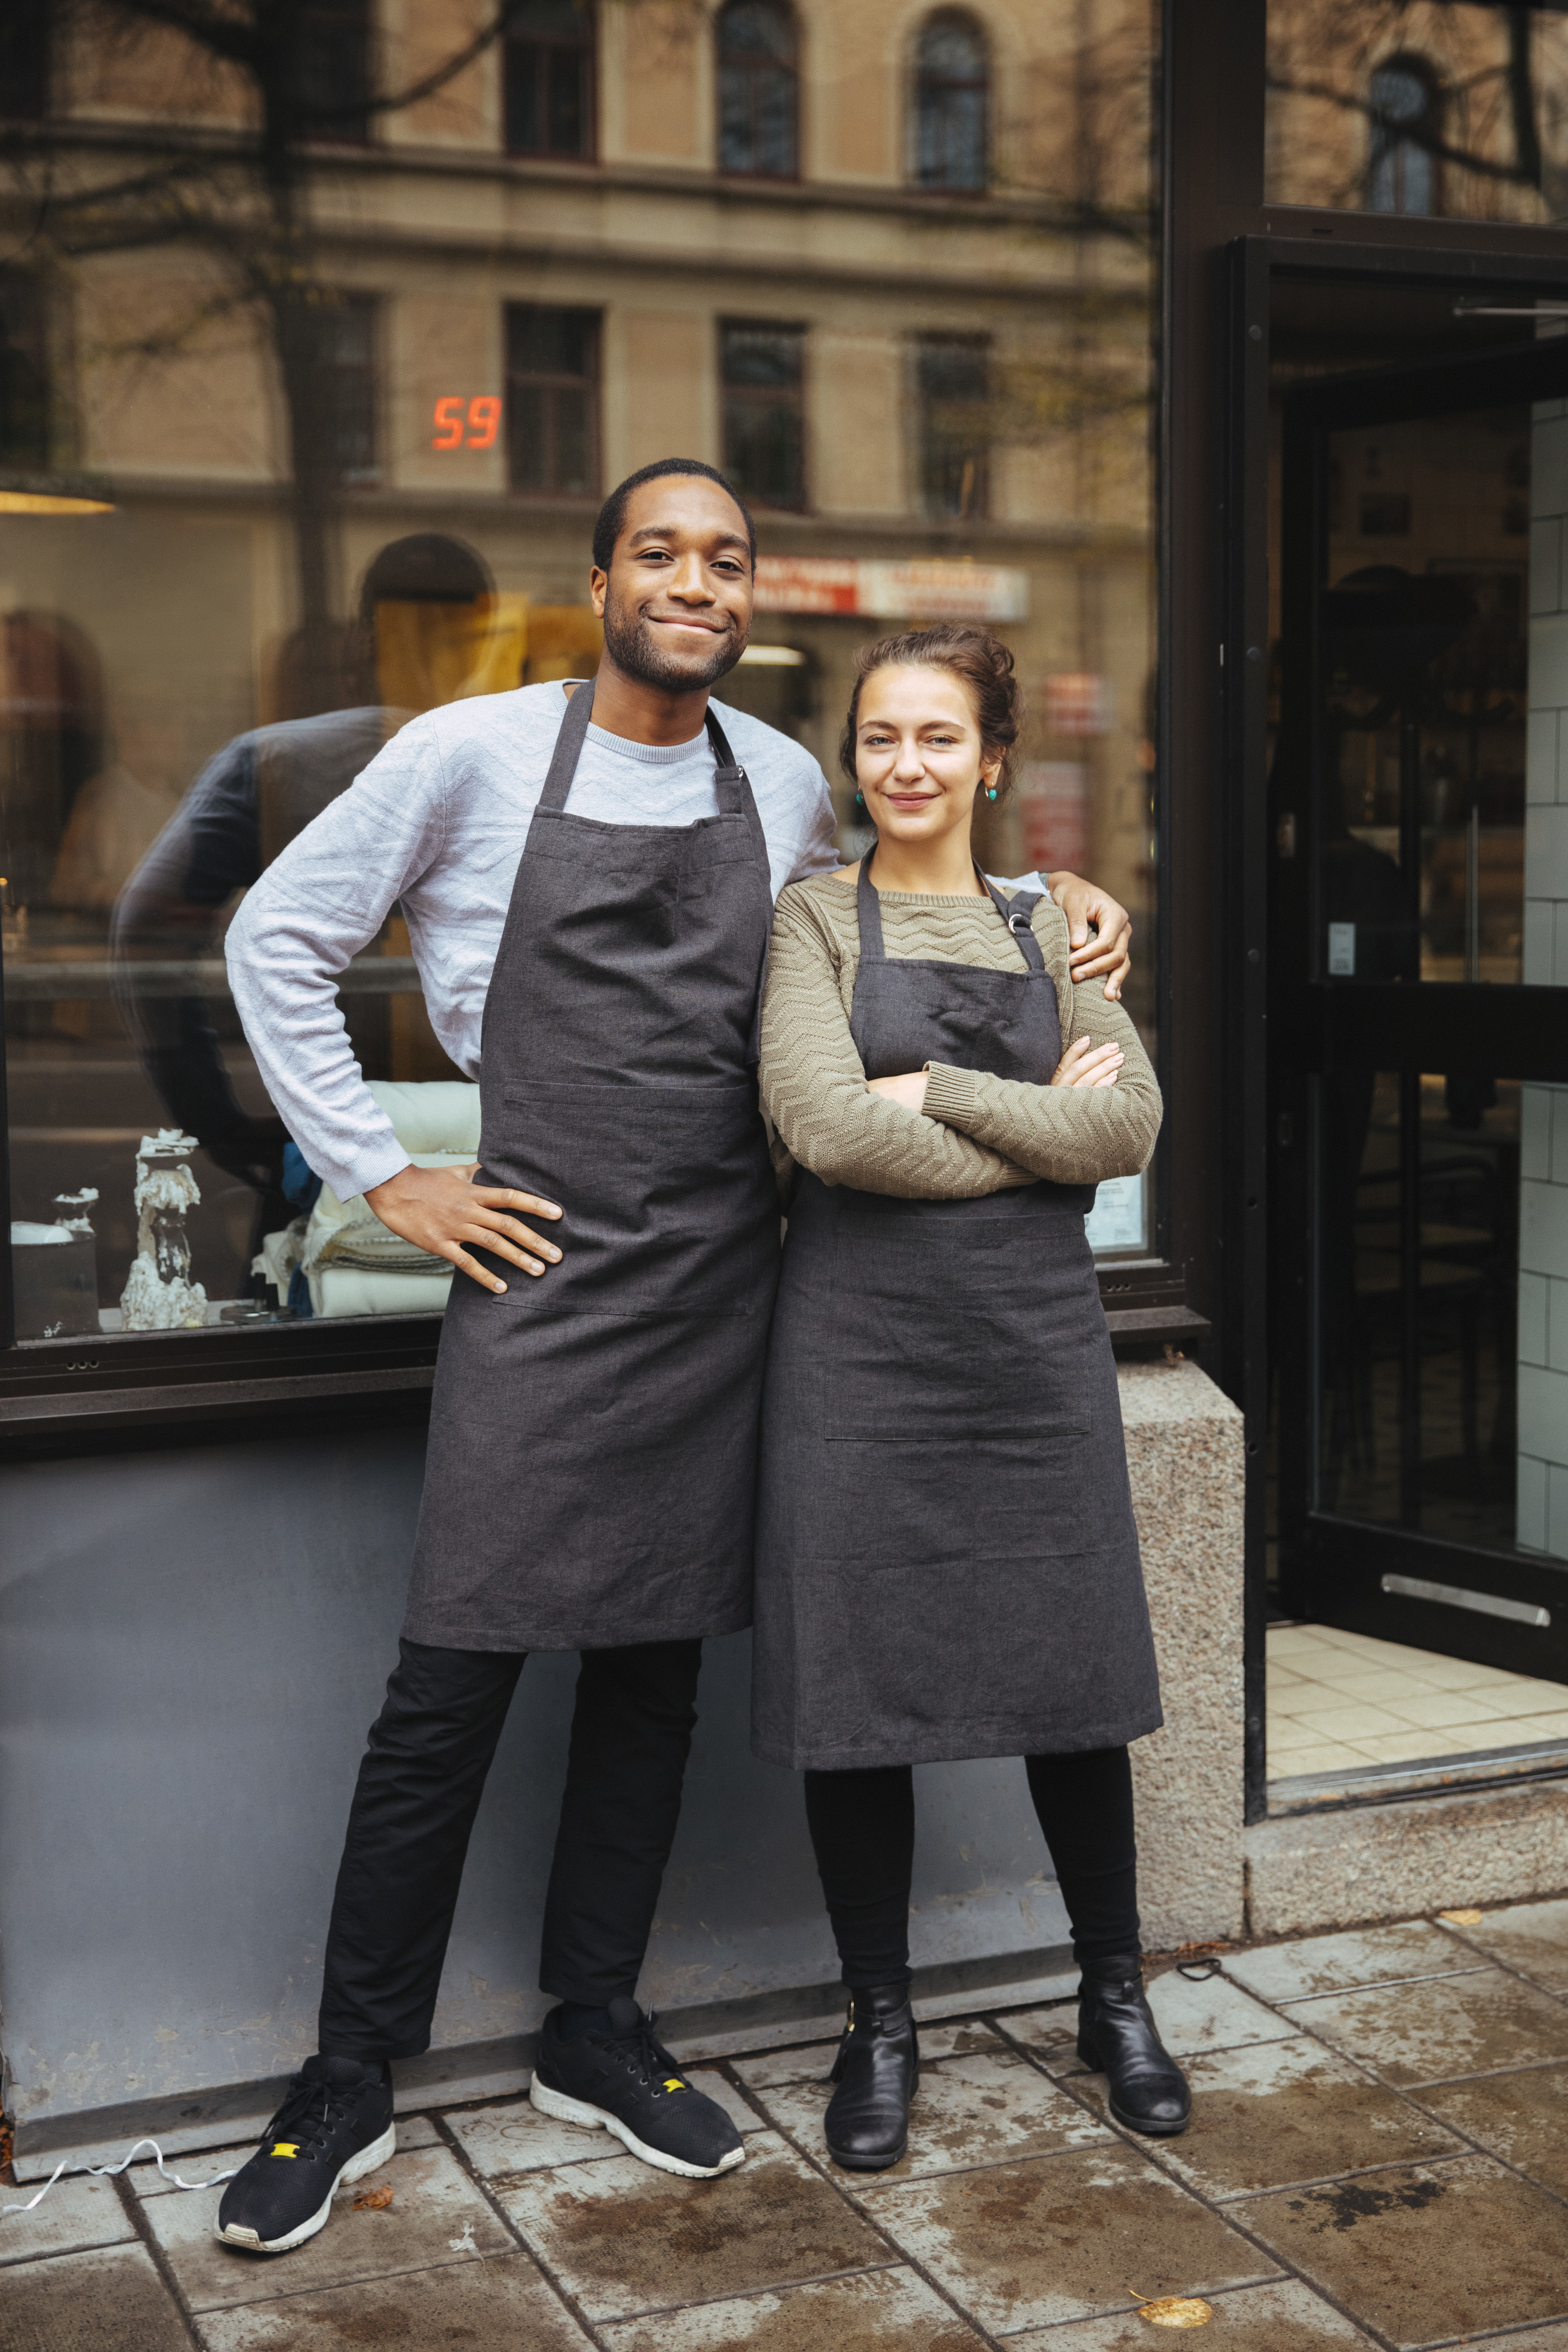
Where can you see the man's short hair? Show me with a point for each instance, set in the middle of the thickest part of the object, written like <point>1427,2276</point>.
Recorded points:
<point>612,513</point>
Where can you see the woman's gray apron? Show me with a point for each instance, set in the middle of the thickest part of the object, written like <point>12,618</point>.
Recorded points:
<point>593,1435</point>
<point>947,1564</point>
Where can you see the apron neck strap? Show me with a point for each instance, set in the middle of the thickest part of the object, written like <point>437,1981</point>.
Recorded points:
<point>729,777</point>
<point>1018,917</point>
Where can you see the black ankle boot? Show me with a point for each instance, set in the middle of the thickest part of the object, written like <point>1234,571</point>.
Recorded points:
<point>878,2064</point>
<point>1118,2038</point>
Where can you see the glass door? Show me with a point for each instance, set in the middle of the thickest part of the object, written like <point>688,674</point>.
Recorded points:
<point>1419,1015</point>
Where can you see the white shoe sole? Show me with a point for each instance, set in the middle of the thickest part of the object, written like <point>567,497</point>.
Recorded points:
<point>564,2110</point>
<point>369,2159</point>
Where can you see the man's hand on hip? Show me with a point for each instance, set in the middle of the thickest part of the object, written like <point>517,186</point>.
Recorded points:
<point>441,1210</point>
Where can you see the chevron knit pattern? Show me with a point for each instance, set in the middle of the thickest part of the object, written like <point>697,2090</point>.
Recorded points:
<point>977,1133</point>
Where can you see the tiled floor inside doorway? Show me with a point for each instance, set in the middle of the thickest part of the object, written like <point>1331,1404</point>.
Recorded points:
<point>1377,2158</point>
<point>1339,1700</point>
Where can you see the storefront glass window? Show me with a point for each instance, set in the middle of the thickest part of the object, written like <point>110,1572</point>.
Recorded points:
<point>1453,108</point>
<point>314,362</point>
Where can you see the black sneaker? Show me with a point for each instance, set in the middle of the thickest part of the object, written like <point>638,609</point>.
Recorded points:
<point>625,2081</point>
<point>334,2127</point>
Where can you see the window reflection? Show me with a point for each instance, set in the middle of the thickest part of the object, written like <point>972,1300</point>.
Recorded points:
<point>953,104</point>
<point>759,106</point>
<point>344,403</point>
<point>1441,107</point>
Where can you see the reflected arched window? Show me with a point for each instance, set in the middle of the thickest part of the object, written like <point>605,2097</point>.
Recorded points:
<point>758,90</point>
<point>1404,104</point>
<point>952,103</point>
<point>548,76</point>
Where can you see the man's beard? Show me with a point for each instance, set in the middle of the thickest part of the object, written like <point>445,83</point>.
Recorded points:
<point>633,644</point>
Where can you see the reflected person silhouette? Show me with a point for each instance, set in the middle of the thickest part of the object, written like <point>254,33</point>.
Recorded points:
<point>253,798</point>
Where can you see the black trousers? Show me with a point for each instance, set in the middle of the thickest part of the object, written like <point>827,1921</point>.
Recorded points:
<point>419,1791</point>
<point>863,1830</point>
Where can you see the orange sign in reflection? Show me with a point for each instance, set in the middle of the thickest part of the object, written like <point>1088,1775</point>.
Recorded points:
<point>464,423</point>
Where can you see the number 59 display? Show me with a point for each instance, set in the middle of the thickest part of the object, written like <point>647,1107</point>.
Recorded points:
<point>466,425</point>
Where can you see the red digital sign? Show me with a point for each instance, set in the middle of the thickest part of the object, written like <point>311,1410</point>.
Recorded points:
<point>464,423</point>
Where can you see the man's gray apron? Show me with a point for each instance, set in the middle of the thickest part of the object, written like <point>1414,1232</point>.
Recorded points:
<point>592,1435</point>
<point>947,1564</point>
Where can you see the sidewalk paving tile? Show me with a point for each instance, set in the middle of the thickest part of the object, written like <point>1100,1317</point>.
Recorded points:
<point>1284,2112</point>
<point>1428,2252</point>
<point>112,2300</point>
<point>1529,1936</point>
<point>1285,2317</point>
<point>1358,1956</point>
<point>812,2062</point>
<point>205,2165</point>
<point>1442,2027</point>
<point>1522,2117</point>
<point>436,2216</point>
<point>625,2239</point>
<point>500,2306</point>
<point>985,2109</point>
<point>879,2311</point>
<point>512,2136</point>
<point>1062,2237</point>
<point>74,2215</point>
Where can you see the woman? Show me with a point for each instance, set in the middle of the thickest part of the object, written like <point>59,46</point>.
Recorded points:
<point>947,1564</point>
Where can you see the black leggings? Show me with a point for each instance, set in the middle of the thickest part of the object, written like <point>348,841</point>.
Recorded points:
<point>863,1829</point>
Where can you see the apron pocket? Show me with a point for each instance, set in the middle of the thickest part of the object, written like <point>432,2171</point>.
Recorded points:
<point>942,1334</point>
<point>667,1192</point>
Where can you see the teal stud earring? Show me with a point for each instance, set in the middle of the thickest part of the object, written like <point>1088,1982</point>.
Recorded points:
<point>859,800</point>
<point>990,792</point>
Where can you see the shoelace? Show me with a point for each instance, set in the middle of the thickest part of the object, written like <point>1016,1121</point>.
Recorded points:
<point>308,2102</point>
<point>642,2053</point>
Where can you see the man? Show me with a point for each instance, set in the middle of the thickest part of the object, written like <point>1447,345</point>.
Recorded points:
<point>589,1482</point>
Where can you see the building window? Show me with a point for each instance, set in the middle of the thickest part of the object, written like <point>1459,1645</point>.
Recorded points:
<point>762,368</point>
<point>553,400</point>
<point>952,390</point>
<point>24,372</point>
<point>953,104</point>
<point>1404,108</point>
<point>549,71</point>
<point>346,380</point>
<point>24,60</point>
<point>758,90</point>
<point>334,75</point>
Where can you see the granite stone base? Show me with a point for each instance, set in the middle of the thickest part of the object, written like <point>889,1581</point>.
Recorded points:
<point>1186,1458</point>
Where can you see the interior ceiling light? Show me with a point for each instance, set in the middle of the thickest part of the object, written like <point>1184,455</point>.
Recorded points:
<point>55,492</point>
<point>1502,311</point>
<point>774,657</point>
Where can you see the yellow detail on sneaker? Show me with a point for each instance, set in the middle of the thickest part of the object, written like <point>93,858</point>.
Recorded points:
<point>285,2147</point>
<point>674,2082</point>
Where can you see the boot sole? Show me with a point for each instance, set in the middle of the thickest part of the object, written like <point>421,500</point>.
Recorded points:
<point>369,2159</point>
<point>563,2109</point>
<point>867,2163</point>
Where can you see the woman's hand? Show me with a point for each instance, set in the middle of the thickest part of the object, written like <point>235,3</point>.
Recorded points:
<point>439,1209</point>
<point>1099,930</point>
<point>1085,1064</point>
<point>909,1089</point>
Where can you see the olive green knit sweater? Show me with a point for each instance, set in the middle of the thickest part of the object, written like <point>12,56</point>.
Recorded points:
<point>976,1133</point>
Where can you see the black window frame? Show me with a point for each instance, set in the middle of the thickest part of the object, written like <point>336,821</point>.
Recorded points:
<point>740,400</point>
<point>550,381</point>
<point>928,83</point>
<point>26,60</point>
<point>24,354</point>
<point>546,47</point>
<point>740,75</point>
<point>354,381</point>
<point>335,72</point>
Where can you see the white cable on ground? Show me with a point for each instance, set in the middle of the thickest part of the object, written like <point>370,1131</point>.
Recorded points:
<point>98,2169</point>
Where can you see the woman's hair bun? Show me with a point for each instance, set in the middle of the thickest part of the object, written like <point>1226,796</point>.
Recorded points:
<point>977,658</point>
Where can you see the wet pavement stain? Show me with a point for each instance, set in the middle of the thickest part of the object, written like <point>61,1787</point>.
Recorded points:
<point>1288,2112</point>
<point>888,2311</point>
<point>985,2109</point>
<point>501,2305</point>
<point>1426,2253</point>
<point>1522,2117</point>
<point>1444,2028</point>
<point>1057,2238</point>
<point>624,2239</point>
